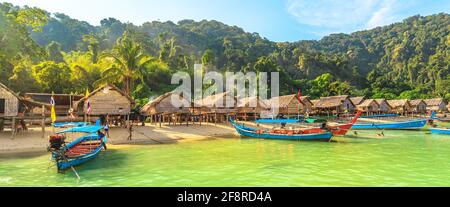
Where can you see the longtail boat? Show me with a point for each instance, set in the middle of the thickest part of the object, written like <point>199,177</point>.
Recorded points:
<point>336,129</point>
<point>440,131</point>
<point>78,151</point>
<point>413,124</point>
<point>274,134</point>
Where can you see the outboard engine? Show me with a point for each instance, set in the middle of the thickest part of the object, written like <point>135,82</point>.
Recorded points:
<point>56,141</point>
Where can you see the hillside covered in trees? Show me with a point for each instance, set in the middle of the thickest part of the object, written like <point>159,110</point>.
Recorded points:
<point>42,52</point>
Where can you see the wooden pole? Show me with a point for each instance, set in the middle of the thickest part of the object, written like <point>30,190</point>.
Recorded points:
<point>31,121</point>
<point>43,121</point>
<point>13,127</point>
<point>2,124</point>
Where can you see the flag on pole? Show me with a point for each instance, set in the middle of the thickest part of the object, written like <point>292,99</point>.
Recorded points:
<point>299,95</point>
<point>88,103</point>
<point>53,113</point>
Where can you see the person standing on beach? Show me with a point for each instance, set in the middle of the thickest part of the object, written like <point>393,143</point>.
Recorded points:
<point>130,129</point>
<point>106,128</point>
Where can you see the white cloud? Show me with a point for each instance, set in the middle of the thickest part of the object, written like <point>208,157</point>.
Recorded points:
<point>343,15</point>
<point>384,15</point>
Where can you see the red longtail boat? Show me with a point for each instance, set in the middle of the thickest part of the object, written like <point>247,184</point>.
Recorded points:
<point>336,130</point>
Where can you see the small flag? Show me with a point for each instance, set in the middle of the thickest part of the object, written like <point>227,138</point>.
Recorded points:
<point>89,109</point>
<point>299,95</point>
<point>53,113</point>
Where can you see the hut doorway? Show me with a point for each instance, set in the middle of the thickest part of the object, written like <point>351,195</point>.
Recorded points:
<point>2,106</point>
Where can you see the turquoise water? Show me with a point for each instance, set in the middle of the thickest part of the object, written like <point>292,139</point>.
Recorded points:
<point>401,158</point>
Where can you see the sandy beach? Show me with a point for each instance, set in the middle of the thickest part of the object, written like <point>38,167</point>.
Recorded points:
<point>32,141</point>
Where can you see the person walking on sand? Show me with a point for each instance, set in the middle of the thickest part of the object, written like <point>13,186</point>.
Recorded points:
<point>130,130</point>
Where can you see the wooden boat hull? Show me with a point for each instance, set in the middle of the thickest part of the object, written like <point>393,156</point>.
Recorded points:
<point>250,132</point>
<point>440,131</point>
<point>415,124</point>
<point>337,130</point>
<point>86,153</point>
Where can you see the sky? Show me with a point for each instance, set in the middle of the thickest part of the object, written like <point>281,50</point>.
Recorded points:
<point>276,20</point>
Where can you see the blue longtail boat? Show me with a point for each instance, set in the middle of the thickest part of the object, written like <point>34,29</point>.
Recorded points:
<point>440,131</point>
<point>78,151</point>
<point>254,133</point>
<point>413,124</point>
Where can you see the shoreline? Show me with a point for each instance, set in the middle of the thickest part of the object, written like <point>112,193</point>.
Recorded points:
<point>31,141</point>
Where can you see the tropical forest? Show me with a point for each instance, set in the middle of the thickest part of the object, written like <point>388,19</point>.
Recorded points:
<point>51,52</point>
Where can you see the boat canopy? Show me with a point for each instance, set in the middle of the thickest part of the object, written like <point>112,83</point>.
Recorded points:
<point>83,129</point>
<point>69,124</point>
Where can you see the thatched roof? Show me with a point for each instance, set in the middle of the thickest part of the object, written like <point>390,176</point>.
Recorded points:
<point>26,101</point>
<point>163,104</point>
<point>305,99</point>
<point>254,101</point>
<point>398,103</point>
<point>368,102</point>
<point>9,90</point>
<point>434,101</point>
<point>315,101</point>
<point>417,102</point>
<point>283,101</point>
<point>357,100</point>
<point>380,102</point>
<point>330,102</point>
<point>220,100</point>
<point>113,87</point>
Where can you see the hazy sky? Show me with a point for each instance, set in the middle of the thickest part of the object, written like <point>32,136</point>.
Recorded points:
<point>277,20</point>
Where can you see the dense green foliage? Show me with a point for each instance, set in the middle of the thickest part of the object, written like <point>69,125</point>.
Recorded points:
<point>44,52</point>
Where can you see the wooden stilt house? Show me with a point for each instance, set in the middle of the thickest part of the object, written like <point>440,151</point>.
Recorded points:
<point>216,108</point>
<point>106,100</point>
<point>169,107</point>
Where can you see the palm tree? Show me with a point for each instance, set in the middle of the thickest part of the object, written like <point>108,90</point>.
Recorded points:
<point>93,46</point>
<point>129,63</point>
